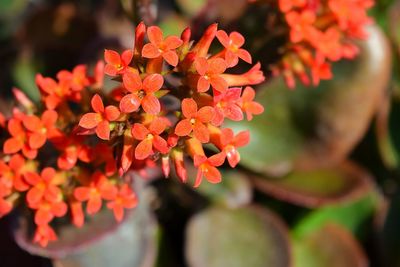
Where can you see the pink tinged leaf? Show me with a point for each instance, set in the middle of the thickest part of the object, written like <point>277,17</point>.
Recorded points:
<point>90,120</point>
<point>201,132</point>
<point>203,84</point>
<point>143,149</point>
<point>151,104</point>
<point>153,83</point>
<point>139,132</point>
<point>171,57</point>
<point>129,103</point>
<point>132,81</point>
<point>160,144</point>
<point>103,130</point>
<point>150,51</point>
<point>97,104</point>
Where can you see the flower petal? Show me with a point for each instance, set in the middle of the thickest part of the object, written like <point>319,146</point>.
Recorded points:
<point>160,144</point>
<point>112,113</point>
<point>189,108</point>
<point>155,35</point>
<point>201,132</point>
<point>203,84</point>
<point>151,104</point>
<point>171,57</point>
<point>143,149</point>
<point>150,51</point>
<point>32,123</point>
<point>223,38</point>
<point>129,103</point>
<point>12,145</point>
<point>132,81</point>
<point>153,83</point>
<point>112,57</point>
<point>183,128</point>
<point>157,126</point>
<point>37,140</point>
<point>237,39</point>
<point>103,130</point>
<point>139,132</point>
<point>205,114</point>
<point>172,42</point>
<point>90,120</point>
<point>97,104</point>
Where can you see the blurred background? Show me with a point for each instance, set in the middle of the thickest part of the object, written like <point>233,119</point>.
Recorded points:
<point>318,186</point>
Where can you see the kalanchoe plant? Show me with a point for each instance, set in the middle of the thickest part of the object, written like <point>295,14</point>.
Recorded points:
<point>69,155</point>
<point>319,32</point>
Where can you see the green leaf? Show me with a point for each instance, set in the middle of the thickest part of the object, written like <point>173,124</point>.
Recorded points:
<point>237,238</point>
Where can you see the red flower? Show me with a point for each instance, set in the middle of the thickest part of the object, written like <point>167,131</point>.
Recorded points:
<point>125,199</point>
<point>233,44</point>
<point>160,47</point>
<point>251,77</point>
<point>210,74</point>
<point>100,119</point>
<point>229,144</point>
<point>195,120</point>
<point>11,175</point>
<point>150,138</point>
<point>71,148</point>
<point>328,44</point>
<point>18,139</point>
<point>300,25</point>
<point>44,187</point>
<point>226,105</point>
<point>207,167</point>
<point>99,188</point>
<point>141,93</point>
<point>320,70</point>
<point>40,129</point>
<point>77,78</point>
<point>44,234</point>
<point>46,211</point>
<point>249,106</point>
<point>117,64</point>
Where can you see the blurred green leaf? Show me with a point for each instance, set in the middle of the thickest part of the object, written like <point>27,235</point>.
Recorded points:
<point>237,238</point>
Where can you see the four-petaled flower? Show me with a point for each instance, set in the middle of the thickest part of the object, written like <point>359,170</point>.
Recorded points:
<point>99,188</point>
<point>195,120</point>
<point>301,25</point>
<point>226,106</point>
<point>160,47</point>
<point>44,234</point>
<point>40,129</point>
<point>249,106</point>
<point>207,167</point>
<point>125,199</point>
<point>117,64</point>
<point>44,186</point>
<point>100,119</point>
<point>233,44</point>
<point>230,142</point>
<point>18,140</point>
<point>77,78</point>
<point>210,71</point>
<point>149,138</point>
<point>141,93</point>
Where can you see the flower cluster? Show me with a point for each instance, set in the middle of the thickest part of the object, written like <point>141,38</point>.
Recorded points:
<point>68,156</point>
<point>320,32</point>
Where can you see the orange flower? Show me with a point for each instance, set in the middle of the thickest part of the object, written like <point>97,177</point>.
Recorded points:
<point>11,175</point>
<point>117,64</point>
<point>210,71</point>
<point>100,119</point>
<point>71,148</point>
<point>77,78</point>
<point>150,138</point>
<point>195,120</point>
<point>233,44</point>
<point>301,25</point>
<point>249,106</point>
<point>40,129</point>
<point>207,167</point>
<point>226,105</point>
<point>160,47</point>
<point>44,187</point>
<point>141,93</point>
<point>229,144</point>
<point>99,188</point>
<point>18,140</point>
<point>44,234</point>
<point>125,199</point>
<point>46,211</point>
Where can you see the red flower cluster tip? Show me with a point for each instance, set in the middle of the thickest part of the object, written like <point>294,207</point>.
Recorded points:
<point>320,32</point>
<point>170,99</point>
